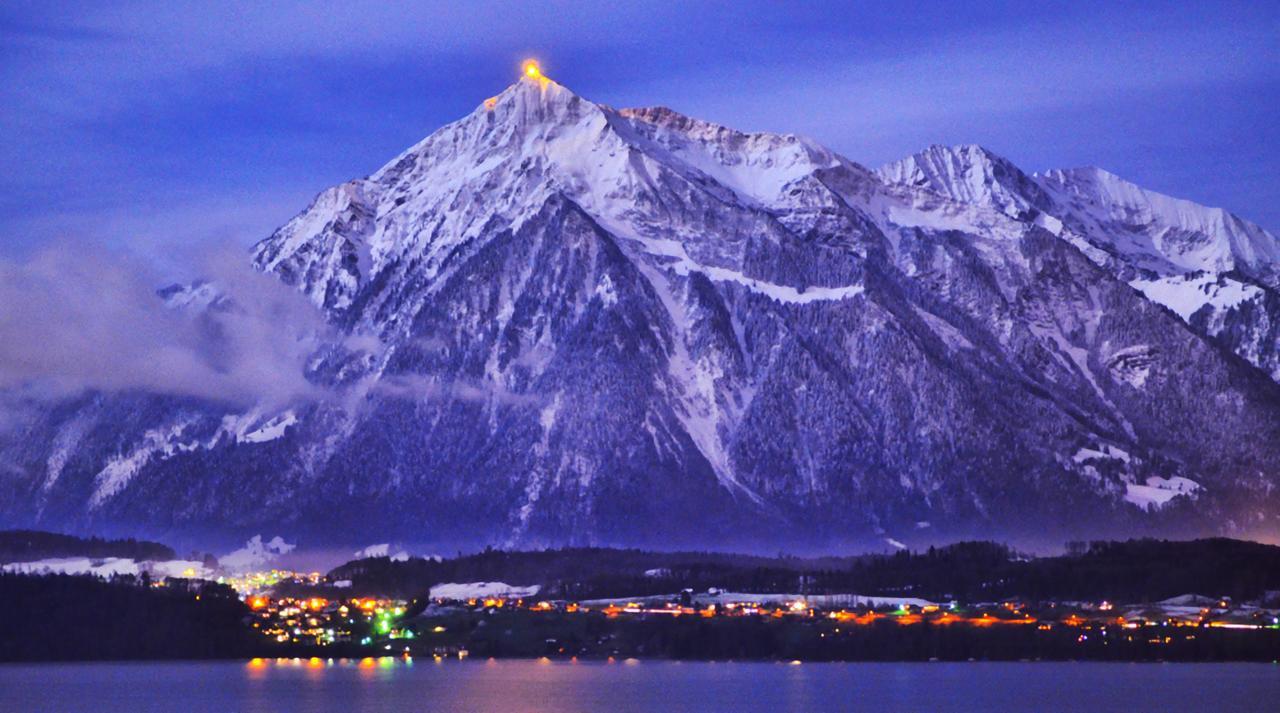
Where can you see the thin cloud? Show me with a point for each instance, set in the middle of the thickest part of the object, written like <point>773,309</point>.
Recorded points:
<point>74,319</point>
<point>420,387</point>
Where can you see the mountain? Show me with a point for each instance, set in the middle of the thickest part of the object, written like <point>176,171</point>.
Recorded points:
<point>1218,272</point>
<point>564,323</point>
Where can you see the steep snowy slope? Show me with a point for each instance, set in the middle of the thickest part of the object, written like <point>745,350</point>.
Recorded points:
<point>1165,235</point>
<point>569,323</point>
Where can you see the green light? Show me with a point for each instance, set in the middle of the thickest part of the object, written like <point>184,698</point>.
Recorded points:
<point>384,627</point>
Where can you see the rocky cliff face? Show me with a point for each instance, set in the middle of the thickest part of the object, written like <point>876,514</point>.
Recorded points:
<point>565,323</point>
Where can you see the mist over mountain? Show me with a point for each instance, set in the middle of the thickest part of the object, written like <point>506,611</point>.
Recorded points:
<point>556,322</point>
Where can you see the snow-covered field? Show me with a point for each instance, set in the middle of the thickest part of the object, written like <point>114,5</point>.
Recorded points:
<point>109,566</point>
<point>482,590</point>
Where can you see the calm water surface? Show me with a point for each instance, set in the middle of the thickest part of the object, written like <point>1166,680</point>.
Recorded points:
<point>398,685</point>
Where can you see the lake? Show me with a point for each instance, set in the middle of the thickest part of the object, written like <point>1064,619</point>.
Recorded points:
<point>510,685</point>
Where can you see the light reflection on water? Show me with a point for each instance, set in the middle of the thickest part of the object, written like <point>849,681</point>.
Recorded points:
<point>320,685</point>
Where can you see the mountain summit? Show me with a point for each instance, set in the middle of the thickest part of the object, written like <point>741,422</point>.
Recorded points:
<point>1217,271</point>
<point>567,323</point>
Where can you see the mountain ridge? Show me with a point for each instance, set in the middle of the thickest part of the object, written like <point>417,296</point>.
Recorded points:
<point>569,324</point>
<point>1217,271</point>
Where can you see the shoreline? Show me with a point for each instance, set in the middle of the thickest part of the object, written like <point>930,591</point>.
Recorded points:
<point>302,661</point>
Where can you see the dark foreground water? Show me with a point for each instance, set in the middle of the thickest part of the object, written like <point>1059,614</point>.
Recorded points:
<point>399,685</point>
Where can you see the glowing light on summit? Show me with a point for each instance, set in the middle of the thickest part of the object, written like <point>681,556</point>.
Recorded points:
<point>532,70</point>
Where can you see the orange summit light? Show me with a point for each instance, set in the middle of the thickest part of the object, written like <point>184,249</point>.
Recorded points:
<point>532,70</point>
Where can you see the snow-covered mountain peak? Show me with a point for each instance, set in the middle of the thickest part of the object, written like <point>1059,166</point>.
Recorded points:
<point>1170,235</point>
<point>970,174</point>
<point>1213,269</point>
<point>1147,230</point>
<point>530,100</point>
<point>494,162</point>
<point>508,158</point>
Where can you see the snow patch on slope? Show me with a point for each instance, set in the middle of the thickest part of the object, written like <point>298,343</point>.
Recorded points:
<point>272,429</point>
<point>1188,294</point>
<point>1157,492</point>
<point>679,262</point>
<point>1103,452</point>
<point>122,468</point>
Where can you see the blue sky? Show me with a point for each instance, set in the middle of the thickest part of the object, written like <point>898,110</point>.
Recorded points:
<point>163,128</point>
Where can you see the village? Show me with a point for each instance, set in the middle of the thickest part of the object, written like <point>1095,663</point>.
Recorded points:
<point>460,620</point>
<point>970,601</point>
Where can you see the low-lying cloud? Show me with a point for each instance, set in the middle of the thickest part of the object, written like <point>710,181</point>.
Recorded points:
<point>75,319</point>
<point>421,387</point>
